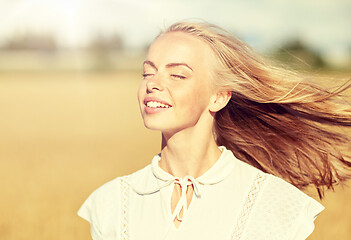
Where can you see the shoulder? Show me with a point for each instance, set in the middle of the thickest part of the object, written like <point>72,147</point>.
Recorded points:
<point>112,188</point>
<point>282,208</point>
<point>276,189</point>
<point>270,187</point>
<point>107,197</point>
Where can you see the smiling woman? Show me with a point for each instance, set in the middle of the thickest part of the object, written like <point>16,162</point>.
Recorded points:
<point>176,73</point>
<point>240,139</point>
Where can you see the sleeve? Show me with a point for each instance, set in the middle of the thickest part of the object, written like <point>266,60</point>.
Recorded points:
<point>309,213</point>
<point>281,211</point>
<point>89,212</point>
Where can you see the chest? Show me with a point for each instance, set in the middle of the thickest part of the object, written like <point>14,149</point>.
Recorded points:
<point>226,211</point>
<point>210,215</point>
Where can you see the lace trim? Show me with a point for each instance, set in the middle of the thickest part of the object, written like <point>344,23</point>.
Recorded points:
<point>249,203</point>
<point>124,210</point>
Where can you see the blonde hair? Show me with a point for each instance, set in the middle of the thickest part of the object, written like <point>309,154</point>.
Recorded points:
<point>276,120</point>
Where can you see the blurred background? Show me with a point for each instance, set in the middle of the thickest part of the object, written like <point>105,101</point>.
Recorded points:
<point>69,72</point>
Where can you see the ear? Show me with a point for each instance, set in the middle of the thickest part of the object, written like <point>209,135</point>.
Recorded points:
<point>219,100</point>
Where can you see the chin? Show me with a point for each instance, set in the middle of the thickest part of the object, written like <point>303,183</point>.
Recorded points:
<point>163,126</point>
<point>157,127</point>
<point>154,125</point>
<point>154,122</point>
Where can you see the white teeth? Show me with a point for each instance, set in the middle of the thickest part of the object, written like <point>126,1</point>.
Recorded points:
<point>156,105</point>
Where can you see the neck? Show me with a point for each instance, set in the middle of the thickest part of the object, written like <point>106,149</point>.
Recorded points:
<point>190,152</point>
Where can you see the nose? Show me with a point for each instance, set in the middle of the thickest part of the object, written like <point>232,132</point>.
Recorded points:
<point>154,83</point>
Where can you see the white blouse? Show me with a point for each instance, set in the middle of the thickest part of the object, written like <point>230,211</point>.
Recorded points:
<point>232,200</point>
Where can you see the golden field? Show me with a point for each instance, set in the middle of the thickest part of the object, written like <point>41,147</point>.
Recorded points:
<point>64,134</point>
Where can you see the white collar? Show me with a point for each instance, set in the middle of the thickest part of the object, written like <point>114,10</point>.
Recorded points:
<point>160,178</point>
<point>221,169</point>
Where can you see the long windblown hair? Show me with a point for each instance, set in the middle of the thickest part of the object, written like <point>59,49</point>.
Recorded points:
<point>276,120</point>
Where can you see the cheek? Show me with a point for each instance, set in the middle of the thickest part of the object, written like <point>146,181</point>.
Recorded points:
<point>141,91</point>
<point>195,101</point>
<point>141,94</point>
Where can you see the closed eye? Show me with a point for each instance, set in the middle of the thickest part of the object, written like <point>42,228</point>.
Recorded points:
<point>178,76</point>
<point>145,75</point>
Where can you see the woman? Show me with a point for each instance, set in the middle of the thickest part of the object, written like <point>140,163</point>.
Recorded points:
<point>233,128</point>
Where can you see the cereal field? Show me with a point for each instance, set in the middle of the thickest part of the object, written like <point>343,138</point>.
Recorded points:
<point>64,134</point>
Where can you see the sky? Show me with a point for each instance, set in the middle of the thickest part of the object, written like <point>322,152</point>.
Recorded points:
<point>322,24</point>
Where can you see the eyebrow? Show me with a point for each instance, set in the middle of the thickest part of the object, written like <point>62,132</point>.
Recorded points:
<point>178,64</point>
<point>169,65</point>
<point>150,63</point>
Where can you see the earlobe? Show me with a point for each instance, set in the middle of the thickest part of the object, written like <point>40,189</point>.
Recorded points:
<point>220,100</point>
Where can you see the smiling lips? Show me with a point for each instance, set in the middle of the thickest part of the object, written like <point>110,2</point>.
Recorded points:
<point>155,105</point>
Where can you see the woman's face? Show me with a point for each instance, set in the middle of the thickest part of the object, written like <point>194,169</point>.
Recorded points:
<point>176,89</point>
